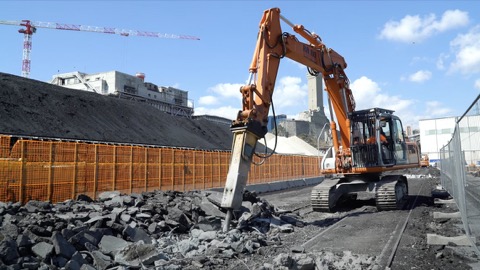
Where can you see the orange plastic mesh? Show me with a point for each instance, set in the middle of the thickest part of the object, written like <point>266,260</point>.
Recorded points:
<point>57,171</point>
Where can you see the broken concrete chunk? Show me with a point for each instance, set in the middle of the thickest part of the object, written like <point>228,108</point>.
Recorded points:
<point>62,246</point>
<point>101,261</point>
<point>108,195</point>
<point>207,236</point>
<point>111,244</point>
<point>8,250</point>
<point>137,234</point>
<point>211,208</point>
<point>42,249</point>
<point>135,254</point>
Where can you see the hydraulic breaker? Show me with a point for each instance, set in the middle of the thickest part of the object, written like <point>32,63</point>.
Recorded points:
<point>243,148</point>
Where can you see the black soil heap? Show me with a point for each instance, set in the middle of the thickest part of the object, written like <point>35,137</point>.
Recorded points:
<point>33,108</point>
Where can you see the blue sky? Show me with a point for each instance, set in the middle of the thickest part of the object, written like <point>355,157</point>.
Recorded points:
<point>419,58</point>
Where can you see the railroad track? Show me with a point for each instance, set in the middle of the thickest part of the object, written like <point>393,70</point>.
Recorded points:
<point>384,250</point>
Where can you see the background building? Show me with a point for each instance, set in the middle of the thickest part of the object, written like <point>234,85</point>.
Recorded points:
<point>168,99</point>
<point>436,133</point>
<point>279,118</point>
<point>310,123</point>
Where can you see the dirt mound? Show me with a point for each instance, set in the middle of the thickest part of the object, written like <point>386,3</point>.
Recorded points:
<point>34,108</point>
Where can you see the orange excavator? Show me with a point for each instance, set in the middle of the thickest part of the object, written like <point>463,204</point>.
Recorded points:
<point>367,146</point>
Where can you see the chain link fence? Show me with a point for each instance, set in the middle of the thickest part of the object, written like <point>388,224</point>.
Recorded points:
<point>460,170</point>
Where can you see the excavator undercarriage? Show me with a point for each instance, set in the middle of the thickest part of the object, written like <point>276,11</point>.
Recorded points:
<point>391,191</point>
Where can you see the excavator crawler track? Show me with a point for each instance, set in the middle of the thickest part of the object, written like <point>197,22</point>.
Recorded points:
<point>322,196</point>
<point>391,193</point>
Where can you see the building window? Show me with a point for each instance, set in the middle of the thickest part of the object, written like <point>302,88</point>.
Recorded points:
<point>446,131</point>
<point>430,132</point>
<point>129,89</point>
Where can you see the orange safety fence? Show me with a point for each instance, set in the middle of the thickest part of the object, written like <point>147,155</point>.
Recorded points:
<point>59,170</point>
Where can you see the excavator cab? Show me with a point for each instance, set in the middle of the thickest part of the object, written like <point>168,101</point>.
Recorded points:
<point>377,139</point>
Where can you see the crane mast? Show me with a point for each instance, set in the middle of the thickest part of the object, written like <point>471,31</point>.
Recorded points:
<point>31,27</point>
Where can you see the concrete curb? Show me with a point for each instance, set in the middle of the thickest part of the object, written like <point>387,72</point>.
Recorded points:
<point>281,185</point>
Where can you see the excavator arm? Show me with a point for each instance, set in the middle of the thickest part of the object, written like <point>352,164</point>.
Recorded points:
<point>272,45</point>
<point>251,123</point>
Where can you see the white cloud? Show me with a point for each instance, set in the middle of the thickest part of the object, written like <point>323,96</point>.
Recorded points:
<point>420,76</point>
<point>208,100</point>
<point>477,84</point>
<point>228,112</point>
<point>288,94</point>
<point>467,52</point>
<point>416,29</point>
<point>441,61</point>
<point>289,97</point>
<point>223,93</point>
<point>364,90</point>
<point>435,109</point>
<point>368,94</point>
<point>227,90</point>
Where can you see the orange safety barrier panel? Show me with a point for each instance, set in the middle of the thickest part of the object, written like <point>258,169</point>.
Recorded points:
<point>60,170</point>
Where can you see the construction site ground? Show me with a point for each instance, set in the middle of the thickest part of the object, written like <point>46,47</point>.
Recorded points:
<point>355,236</point>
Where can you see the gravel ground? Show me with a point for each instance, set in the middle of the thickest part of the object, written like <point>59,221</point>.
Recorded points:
<point>173,230</point>
<point>412,253</point>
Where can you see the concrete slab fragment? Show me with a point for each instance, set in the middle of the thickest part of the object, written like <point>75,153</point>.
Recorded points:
<point>211,209</point>
<point>461,240</point>
<point>440,201</point>
<point>446,215</point>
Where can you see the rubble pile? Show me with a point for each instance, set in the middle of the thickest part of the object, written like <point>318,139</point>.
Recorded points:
<point>155,230</point>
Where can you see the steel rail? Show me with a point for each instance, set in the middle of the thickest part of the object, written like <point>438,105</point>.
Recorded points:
<point>397,242</point>
<point>386,258</point>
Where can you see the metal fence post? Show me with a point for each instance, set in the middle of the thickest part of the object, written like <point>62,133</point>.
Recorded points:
<point>194,167</point>
<point>75,171</point>
<point>23,170</point>
<point>95,173</point>
<point>50,172</point>
<point>173,169</point>
<point>160,168</point>
<point>131,170</point>
<point>114,171</point>
<point>146,169</point>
